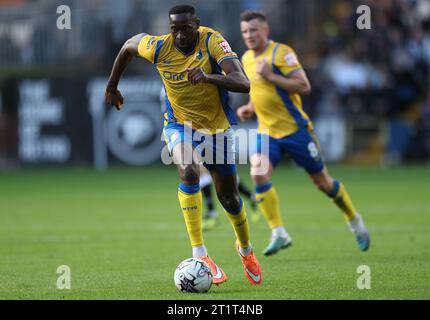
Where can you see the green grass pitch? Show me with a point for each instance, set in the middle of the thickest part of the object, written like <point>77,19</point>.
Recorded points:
<point>122,234</point>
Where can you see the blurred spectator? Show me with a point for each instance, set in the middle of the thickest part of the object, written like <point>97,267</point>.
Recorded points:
<point>383,71</point>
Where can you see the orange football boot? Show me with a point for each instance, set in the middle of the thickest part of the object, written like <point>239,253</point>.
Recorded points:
<point>218,275</point>
<point>251,267</point>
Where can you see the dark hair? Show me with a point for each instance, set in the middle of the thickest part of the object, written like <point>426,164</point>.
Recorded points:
<point>251,15</point>
<point>183,8</point>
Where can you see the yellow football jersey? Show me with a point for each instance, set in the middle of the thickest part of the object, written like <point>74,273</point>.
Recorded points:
<point>277,110</point>
<point>203,104</point>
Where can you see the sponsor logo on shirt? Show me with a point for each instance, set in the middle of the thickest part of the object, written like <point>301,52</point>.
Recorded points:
<point>172,76</point>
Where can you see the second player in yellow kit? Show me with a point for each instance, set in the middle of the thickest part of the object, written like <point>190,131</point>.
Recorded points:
<point>279,111</point>
<point>277,81</point>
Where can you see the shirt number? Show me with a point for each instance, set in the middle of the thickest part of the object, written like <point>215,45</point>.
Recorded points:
<point>313,150</point>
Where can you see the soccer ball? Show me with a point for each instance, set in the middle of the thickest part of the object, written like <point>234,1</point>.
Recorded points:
<point>193,275</point>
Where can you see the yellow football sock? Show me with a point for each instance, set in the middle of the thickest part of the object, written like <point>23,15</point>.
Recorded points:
<point>190,199</point>
<point>268,203</point>
<point>240,226</point>
<point>341,198</point>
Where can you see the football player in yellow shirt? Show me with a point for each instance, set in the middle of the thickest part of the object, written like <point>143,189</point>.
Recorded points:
<point>277,81</point>
<point>197,67</point>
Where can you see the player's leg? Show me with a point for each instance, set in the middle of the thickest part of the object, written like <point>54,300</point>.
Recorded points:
<point>262,165</point>
<point>190,199</point>
<point>228,195</point>
<point>223,170</point>
<point>189,194</point>
<point>304,148</point>
<point>211,218</point>
<point>337,192</point>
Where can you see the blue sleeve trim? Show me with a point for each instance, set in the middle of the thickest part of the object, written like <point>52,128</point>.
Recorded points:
<point>227,58</point>
<point>293,71</point>
<point>276,68</point>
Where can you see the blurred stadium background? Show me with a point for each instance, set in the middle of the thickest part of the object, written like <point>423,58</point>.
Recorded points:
<point>370,104</point>
<point>370,99</point>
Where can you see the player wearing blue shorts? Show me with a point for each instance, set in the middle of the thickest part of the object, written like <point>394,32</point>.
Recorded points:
<point>277,81</point>
<point>211,217</point>
<point>197,67</point>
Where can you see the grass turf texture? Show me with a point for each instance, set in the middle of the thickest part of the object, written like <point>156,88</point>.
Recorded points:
<point>122,234</point>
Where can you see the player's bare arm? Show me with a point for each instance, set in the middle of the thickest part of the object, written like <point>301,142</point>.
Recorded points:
<point>296,83</point>
<point>234,79</point>
<point>128,51</point>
